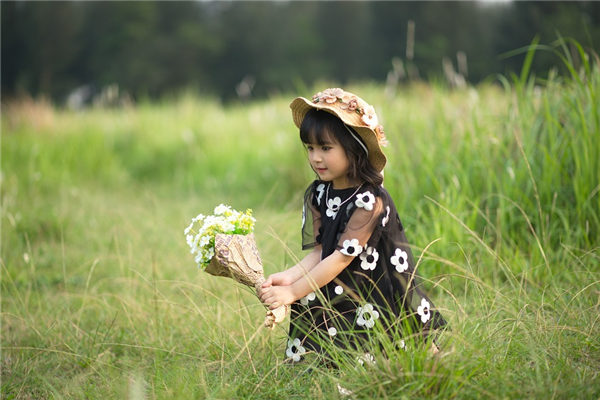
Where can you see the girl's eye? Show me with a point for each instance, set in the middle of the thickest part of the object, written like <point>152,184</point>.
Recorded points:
<point>309,148</point>
<point>325,148</point>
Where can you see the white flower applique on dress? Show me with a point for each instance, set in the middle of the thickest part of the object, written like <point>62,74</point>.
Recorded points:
<point>400,260</point>
<point>369,258</point>
<point>321,190</point>
<point>423,311</point>
<point>351,248</point>
<point>365,200</point>
<point>308,298</point>
<point>333,206</point>
<point>295,350</point>
<point>367,316</point>
<point>385,219</point>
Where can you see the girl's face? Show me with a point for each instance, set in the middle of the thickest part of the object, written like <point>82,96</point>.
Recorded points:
<point>330,162</point>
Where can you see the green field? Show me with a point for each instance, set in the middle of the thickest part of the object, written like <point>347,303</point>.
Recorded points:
<point>497,186</point>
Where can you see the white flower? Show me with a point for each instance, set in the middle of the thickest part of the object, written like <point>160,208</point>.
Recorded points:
<point>366,316</point>
<point>321,190</point>
<point>402,344</point>
<point>198,217</point>
<point>226,226</point>
<point>309,297</point>
<point>366,358</point>
<point>200,234</point>
<point>332,331</point>
<point>423,311</point>
<point>295,350</point>
<point>367,203</point>
<point>233,218</point>
<point>400,260</point>
<point>204,240</point>
<point>210,220</point>
<point>222,209</point>
<point>189,228</point>
<point>351,248</point>
<point>338,290</point>
<point>385,219</point>
<point>369,258</point>
<point>333,205</point>
<point>194,243</point>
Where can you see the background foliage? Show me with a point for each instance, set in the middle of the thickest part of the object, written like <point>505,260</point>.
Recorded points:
<point>151,49</point>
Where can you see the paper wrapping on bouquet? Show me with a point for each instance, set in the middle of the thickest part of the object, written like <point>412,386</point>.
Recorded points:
<point>237,257</point>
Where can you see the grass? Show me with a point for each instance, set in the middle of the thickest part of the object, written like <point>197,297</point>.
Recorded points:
<point>498,188</point>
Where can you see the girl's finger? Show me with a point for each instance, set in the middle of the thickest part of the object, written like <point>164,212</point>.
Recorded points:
<point>268,282</point>
<point>265,297</point>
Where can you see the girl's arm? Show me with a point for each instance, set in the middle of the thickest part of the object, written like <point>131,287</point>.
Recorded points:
<point>320,275</point>
<point>294,273</point>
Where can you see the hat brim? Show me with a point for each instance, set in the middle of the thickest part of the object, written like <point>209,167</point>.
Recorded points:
<point>300,106</point>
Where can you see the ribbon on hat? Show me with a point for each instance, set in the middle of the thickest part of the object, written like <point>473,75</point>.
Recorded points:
<point>357,139</point>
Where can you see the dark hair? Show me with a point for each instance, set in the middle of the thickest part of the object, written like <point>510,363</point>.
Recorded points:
<point>320,127</point>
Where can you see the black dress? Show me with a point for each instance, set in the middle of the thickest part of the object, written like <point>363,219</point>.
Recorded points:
<point>377,291</point>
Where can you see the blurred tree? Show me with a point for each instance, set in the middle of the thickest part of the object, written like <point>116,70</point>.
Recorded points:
<point>43,44</point>
<point>519,22</point>
<point>151,49</point>
<point>14,54</point>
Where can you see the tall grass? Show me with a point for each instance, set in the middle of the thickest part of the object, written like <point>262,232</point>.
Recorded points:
<point>497,186</point>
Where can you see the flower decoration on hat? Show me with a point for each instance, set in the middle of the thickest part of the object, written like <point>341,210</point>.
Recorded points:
<point>370,118</point>
<point>351,103</point>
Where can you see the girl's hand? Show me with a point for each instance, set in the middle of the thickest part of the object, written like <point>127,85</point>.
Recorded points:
<point>278,279</point>
<point>266,284</point>
<point>276,296</point>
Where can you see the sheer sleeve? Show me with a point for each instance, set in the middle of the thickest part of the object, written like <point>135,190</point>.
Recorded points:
<point>311,219</point>
<point>359,229</point>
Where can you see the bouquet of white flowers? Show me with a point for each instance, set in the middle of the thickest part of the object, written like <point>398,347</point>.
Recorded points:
<point>223,245</point>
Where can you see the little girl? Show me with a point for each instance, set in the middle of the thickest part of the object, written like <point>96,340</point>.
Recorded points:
<point>360,272</point>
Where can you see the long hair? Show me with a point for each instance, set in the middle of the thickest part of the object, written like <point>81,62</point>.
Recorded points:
<point>320,127</point>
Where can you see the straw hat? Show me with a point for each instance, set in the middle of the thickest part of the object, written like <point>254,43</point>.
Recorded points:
<point>354,112</point>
